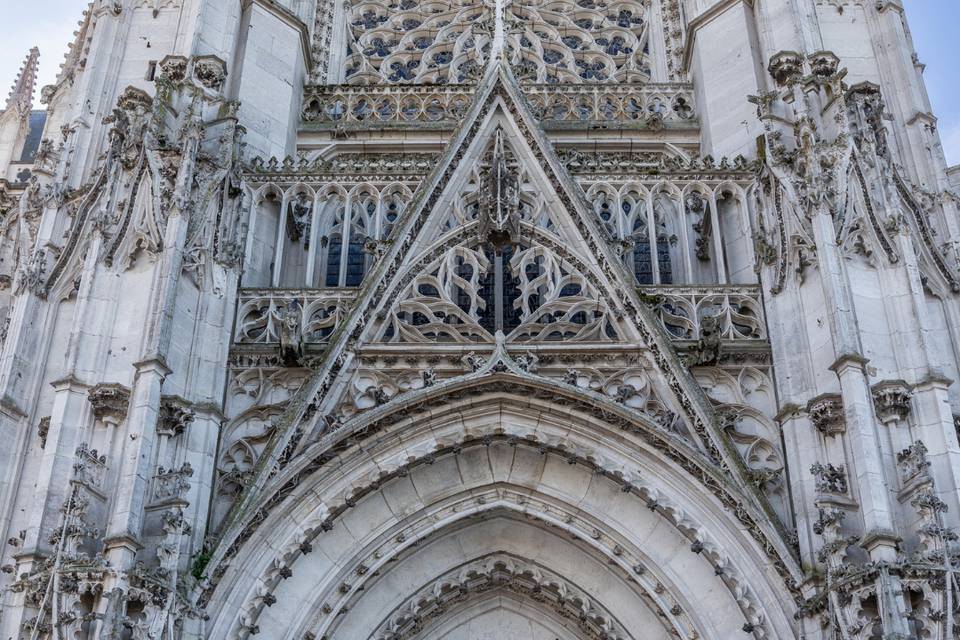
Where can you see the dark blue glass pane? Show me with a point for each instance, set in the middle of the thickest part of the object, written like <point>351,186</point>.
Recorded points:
<point>333,264</point>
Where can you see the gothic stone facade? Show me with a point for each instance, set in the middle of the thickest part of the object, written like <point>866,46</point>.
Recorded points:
<point>463,319</point>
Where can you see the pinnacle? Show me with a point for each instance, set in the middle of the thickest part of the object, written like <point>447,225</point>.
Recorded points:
<point>21,94</point>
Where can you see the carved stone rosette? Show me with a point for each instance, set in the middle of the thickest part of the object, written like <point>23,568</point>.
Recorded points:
<point>826,414</point>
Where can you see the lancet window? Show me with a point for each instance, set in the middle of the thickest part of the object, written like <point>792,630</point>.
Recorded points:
<point>672,234</point>
<point>326,236</point>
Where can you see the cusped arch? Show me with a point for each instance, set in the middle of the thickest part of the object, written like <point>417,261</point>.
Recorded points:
<point>525,617</point>
<point>443,593</point>
<point>268,190</point>
<point>610,449</point>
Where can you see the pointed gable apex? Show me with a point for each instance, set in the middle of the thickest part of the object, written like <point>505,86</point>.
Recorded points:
<point>576,245</point>
<point>498,95</point>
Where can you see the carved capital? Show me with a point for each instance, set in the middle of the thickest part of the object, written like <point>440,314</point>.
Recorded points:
<point>826,414</point>
<point>109,401</point>
<point>175,416</point>
<point>134,100</point>
<point>824,63</point>
<point>786,67</point>
<point>892,400</point>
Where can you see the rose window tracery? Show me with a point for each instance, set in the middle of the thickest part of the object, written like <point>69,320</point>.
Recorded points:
<point>545,41</point>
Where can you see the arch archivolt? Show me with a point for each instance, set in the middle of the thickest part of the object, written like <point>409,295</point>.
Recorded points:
<point>503,613</point>
<point>503,537</point>
<point>548,593</point>
<point>362,504</point>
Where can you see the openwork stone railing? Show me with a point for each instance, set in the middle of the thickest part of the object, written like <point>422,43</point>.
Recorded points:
<point>651,105</point>
<point>264,314</point>
<point>729,312</point>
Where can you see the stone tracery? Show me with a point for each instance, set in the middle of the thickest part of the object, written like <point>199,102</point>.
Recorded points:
<point>492,315</point>
<point>547,41</point>
<point>581,526</point>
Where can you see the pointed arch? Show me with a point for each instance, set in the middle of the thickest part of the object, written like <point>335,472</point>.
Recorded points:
<point>568,451</point>
<point>498,102</point>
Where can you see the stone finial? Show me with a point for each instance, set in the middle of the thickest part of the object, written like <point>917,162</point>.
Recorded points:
<point>210,71</point>
<point>21,94</point>
<point>892,400</point>
<point>173,68</point>
<point>786,67</point>
<point>175,416</point>
<point>823,63</point>
<point>826,414</point>
<point>499,212</point>
<point>110,401</point>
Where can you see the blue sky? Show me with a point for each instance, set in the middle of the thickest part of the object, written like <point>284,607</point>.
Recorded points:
<point>49,24</point>
<point>933,24</point>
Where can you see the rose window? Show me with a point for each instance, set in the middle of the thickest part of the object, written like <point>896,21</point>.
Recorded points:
<point>546,41</point>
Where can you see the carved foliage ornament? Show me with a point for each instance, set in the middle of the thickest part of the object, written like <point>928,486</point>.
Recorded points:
<point>109,401</point>
<point>826,414</point>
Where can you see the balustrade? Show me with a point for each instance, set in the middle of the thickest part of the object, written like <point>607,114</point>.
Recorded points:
<point>653,105</point>
<point>262,314</point>
<point>731,312</point>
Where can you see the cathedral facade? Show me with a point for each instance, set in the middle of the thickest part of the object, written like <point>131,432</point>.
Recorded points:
<point>479,319</point>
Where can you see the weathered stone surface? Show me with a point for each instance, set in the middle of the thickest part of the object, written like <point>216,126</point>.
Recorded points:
<point>470,320</point>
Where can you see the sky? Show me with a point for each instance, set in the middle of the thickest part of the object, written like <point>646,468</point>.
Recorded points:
<point>49,24</point>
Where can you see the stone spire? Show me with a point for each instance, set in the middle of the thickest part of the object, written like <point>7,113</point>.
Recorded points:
<point>21,95</point>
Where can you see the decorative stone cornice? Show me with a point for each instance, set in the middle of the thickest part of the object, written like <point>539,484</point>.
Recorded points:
<point>826,414</point>
<point>109,401</point>
<point>208,410</point>
<point>153,363</point>
<point>848,360</point>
